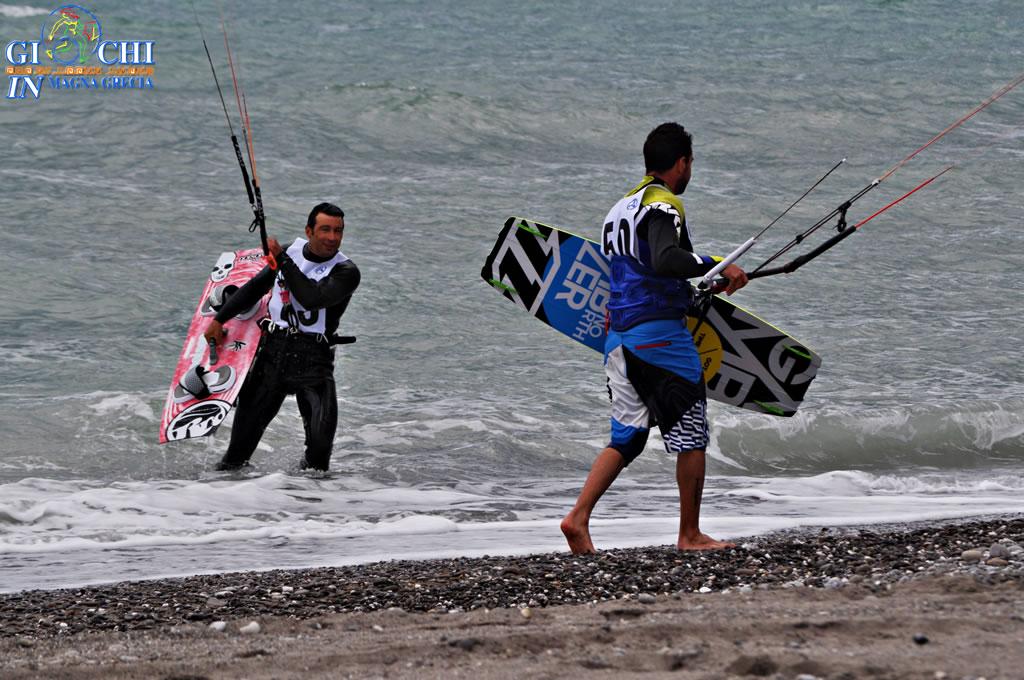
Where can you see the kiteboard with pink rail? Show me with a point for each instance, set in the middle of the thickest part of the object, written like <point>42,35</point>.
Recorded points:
<point>207,379</point>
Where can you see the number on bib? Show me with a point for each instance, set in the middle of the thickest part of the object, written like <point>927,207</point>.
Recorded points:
<point>616,239</point>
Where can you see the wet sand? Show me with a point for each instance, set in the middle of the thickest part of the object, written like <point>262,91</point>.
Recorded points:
<point>923,601</point>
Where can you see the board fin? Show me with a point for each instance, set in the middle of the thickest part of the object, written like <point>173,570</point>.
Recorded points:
<point>800,352</point>
<point>526,226</point>
<point>502,286</point>
<point>771,408</point>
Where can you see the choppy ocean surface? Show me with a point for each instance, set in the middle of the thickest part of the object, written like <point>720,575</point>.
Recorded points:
<point>465,427</point>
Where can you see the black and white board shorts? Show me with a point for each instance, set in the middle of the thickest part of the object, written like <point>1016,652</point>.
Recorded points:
<point>642,395</point>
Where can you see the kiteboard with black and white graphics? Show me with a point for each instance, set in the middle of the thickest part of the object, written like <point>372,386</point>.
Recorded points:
<point>563,280</point>
<point>206,382</point>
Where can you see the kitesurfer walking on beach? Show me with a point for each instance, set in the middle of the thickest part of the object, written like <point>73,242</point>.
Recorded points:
<point>653,370</point>
<point>311,289</point>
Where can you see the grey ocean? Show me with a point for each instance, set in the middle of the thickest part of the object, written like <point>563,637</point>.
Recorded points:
<point>467,427</point>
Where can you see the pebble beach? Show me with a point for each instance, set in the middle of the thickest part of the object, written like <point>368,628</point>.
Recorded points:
<point>794,604</point>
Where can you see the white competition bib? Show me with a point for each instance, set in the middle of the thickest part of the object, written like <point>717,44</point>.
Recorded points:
<point>619,234</point>
<point>285,311</point>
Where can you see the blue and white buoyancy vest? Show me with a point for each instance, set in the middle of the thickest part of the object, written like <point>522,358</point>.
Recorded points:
<point>638,294</point>
<point>285,311</point>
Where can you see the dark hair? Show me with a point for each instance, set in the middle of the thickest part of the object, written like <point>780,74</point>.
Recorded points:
<point>666,144</point>
<point>328,209</point>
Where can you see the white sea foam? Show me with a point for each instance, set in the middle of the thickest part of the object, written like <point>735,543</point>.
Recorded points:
<point>20,11</point>
<point>117,404</point>
<point>989,428</point>
<point>858,484</point>
<point>30,464</point>
<point>44,514</point>
<point>279,520</point>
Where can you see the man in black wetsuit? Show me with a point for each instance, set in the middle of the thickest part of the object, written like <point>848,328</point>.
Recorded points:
<point>311,288</point>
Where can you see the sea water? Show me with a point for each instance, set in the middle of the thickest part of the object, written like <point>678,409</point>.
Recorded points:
<point>467,428</point>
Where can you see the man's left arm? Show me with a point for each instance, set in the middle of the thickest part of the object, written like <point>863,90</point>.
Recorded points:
<point>330,290</point>
<point>668,258</point>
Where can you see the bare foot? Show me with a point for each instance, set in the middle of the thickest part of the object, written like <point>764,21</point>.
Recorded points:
<point>578,535</point>
<point>703,542</point>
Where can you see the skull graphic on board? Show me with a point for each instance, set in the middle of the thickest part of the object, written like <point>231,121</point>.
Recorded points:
<point>225,263</point>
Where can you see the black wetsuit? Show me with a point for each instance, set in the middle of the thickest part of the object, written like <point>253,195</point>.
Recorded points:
<point>291,362</point>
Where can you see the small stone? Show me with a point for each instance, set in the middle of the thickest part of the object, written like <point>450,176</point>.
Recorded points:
<point>218,626</point>
<point>251,653</point>
<point>676,659</point>
<point>972,555</point>
<point>806,676</point>
<point>920,639</point>
<point>287,589</point>
<point>646,598</point>
<point>467,644</point>
<point>999,550</point>
<point>704,589</point>
<point>996,562</point>
<point>761,665</point>
<point>526,613</point>
<point>379,628</point>
<point>26,642</point>
<point>215,603</point>
<point>940,675</point>
<point>250,628</point>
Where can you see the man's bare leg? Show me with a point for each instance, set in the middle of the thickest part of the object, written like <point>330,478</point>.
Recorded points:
<point>690,477</point>
<point>576,525</point>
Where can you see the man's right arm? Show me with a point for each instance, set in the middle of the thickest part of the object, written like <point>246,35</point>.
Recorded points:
<point>244,298</point>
